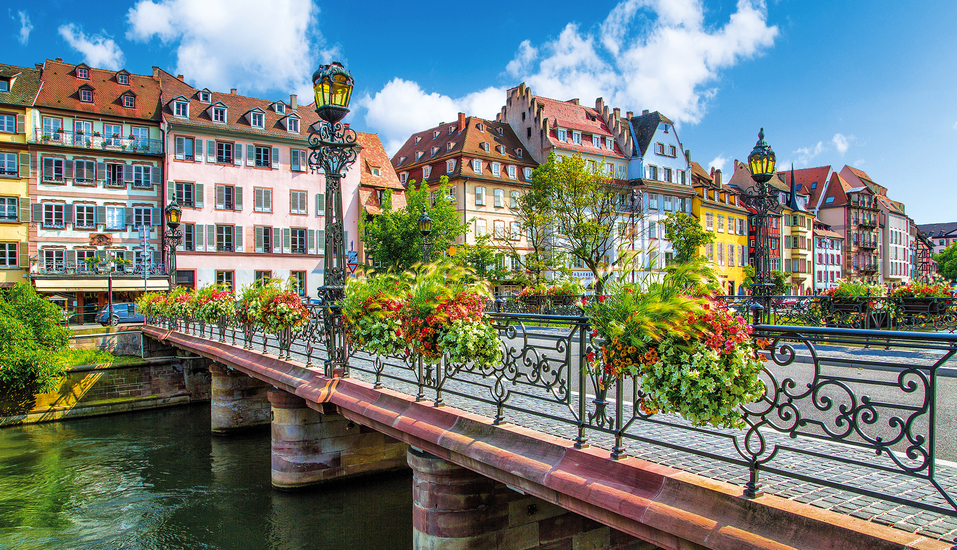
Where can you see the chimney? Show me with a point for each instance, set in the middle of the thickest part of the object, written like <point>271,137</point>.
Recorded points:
<point>293,101</point>
<point>38,65</point>
<point>573,101</point>
<point>232,91</point>
<point>629,114</point>
<point>717,178</point>
<point>688,155</point>
<point>461,122</point>
<point>59,60</point>
<point>156,72</point>
<point>180,78</point>
<point>644,112</point>
<point>617,112</point>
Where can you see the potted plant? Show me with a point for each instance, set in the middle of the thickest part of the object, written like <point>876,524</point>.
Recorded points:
<point>561,292</point>
<point>370,310</point>
<point>179,305</point>
<point>923,298</point>
<point>152,305</point>
<point>215,304</point>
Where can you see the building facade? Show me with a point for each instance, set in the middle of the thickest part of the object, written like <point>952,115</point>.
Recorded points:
<point>719,210</point>
<point>828,264</point>
<point>853,211</point>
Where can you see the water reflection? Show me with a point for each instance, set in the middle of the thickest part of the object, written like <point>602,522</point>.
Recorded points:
<point>158,480</point>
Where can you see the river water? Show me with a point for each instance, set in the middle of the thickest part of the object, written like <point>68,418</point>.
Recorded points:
<point>157,480</point>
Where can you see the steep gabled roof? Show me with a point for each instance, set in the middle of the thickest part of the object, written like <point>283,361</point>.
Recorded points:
<point>24,86</point>
<point>645,127</point>
<point>374,156</point>
<point>572,116</point>
<point>935,230</point>
<point>806,178</point>
<point>60,89</point>
<point>700,174</point>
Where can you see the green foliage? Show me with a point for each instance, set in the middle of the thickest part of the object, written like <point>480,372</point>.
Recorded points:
<point>536,217</point>
<point>686,236</point>
<point>778,278</point>
<point>30,339</point>
<point>393,239</point>
<point>947,262</point>
<point>483,258</point>
<point>854,289</point>
<point>74,357</point>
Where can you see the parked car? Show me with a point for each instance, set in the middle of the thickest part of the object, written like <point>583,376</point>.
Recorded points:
<point>123,312</point>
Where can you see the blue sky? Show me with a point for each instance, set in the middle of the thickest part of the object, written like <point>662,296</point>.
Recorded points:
<point>869,83</point>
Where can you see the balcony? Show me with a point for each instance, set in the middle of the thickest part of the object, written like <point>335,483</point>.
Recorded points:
<point>868,224</point>
<point>867,244</point>
<point>87,141</point>
<point>83,269</point>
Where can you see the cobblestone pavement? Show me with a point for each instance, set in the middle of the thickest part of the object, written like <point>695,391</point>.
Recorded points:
<point>801,470</point>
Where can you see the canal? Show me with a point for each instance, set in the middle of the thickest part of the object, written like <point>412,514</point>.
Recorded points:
<point>158,480</point>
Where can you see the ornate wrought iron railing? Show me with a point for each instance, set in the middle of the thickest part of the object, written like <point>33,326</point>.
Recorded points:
<point>96,141</point>
<point>845,409</point>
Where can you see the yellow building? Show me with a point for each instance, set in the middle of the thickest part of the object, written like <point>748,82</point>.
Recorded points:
<point>720,211</point>
<point>796,234</point>
<point>18,89</point>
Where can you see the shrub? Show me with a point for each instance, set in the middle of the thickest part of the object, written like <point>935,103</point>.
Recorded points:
<point>30,338</point>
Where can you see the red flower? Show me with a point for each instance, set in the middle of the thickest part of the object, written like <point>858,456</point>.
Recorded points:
<point>601,298</point>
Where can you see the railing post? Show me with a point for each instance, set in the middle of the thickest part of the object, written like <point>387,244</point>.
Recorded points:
<point>618,451</point>
<point>580,440</point>
<point>420,379</point>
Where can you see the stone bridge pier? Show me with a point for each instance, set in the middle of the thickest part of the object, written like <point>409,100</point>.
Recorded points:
<point>237,401</point>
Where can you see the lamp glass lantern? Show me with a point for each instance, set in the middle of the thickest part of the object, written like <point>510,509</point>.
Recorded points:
<point>761,160</point>
<point>174,214</point>
<point>332,85</point>
<point>425,223</point>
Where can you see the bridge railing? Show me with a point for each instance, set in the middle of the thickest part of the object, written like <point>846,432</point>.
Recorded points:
<point>847,409</point>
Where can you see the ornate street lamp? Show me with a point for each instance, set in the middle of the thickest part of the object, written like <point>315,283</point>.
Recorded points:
<point>172,238</point>
<point>762,201</point>
<point>332,149</point>
<point>635,204</point>
<point>425,228</point>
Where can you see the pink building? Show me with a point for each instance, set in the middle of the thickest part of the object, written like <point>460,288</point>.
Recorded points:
<point>251,208</point>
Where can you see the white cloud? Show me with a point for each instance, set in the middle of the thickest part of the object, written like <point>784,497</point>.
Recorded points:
<point>807,154</point>
<point>402,108</point>
<point>241,44</point>
<point>25,27</point>
<point>858,163</point>
<point>98,51</point>
<point>842,142</point>
<point>718,164</point>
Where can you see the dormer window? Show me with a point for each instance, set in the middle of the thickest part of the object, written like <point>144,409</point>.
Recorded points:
<point>596,142</point>
<point>500,131</point>
<point>129,101</point>
<point>83,73</point>
<point>205,96</point>
<point>561,134</point>
<point>451,130</point>
<point>219,114</point>
<point>449,145</point>
<point>577,138</point>
<point>435,134</point>
<point>528,173</point>
<point>123,78</point>
<point>257,120</point>
<point>86,95</point>
<point>375,172</point>
<point>481,127</point>
<point>292,125</point>
<point>485,146</point>
<point>418,139</point>
<point>281,108</point>
<point>426,172</point>
<point>518,152</point>
<point>181,109</point>
<point>418,155</point>
<point>434,151</point>
<point>610,143</point>
<point>4,85</point>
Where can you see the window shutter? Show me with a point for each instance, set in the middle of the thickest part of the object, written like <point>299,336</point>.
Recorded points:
<point>99,215</point>
<point>312,241</point>
<point>24,209</point>
<point>198,157</point>
<point>238,237</point>
<point>154,175</point>
<point>180,148</point>
<point>24,165</point>
<point>294,160</point>
<point>68,170</point>
<point>198,195</point>
<point>267,200</point>
<point>156,217</point>
<point>276,240</point>
<point>220,196</point>
<point>211,238</point>
<point>320,204</point>
<point>157,257</point>
<point>250,155</point>
<point>210,150</point>
<point>129,216</point>
<point>70,257</point>
<point>199,235</point>
<point>275,158</point>
<point>286,240</point>
<point>170,191</point>
<point>238,198</point>
<point>321,240</point>
<point>127,173</point>
<point>67,213</point>
<point>237,153</point>
<point>24,255</point>
<point>101,171</point>
<point>259,238</point>
<point>21,124</point>
<point>47,168</point>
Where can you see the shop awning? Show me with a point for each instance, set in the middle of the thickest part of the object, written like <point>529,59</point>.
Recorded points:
<point>99,285</point>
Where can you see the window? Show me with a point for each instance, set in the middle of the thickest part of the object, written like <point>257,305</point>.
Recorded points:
<point>224,238</point>
<point>498,228</point>
<point>225,197</point>
<point>115,217</point>
<point>672,151</point>
<point>262,156</point>
<point>140,136</point>
<point>720,223</point>
<point>8,124</point>
<point>256,120</point>
<point>449,166</point>
<point>129,101</point>
<point>53,259</point>
<point>681,177</point>
<point>297,202</point>
<point>709,221</point>
<point>86,95</point>
<point>653,201</point>
<point>4,85</point>
<point>114,175</point>
<point>53,215</point>
<point>264,239</point>
<point>499,198</point>
<point>720,254</point>
<point>224,152</point>
<point>298,241</point>
<point>219,114</point>
<point>477,166</point>
<point>299,280</point>
<point>142,216</point>
<point>666,174</point>
<point>52,127</point>
<point>561,135</point>
<point>479,196</point>
<point>262,199</point>
<point>404,177</point>
<point>292,125</point>
<point>205,96</point>
<point>8,164</point>
<point>8,255</point>
<point>426,172</point>
<point>53,169</point>
<point>184,148</point>
<point>280,107</point>
<point>297,160</point>
<point>596,141</point>
<point>184,194</point>
<point>224,278</point>
<point>496,169</point>
<point>262,275</point>
<point>528,174</point>
<point>8,209</point>
<point>652,229</point>
<point>515,231</point>
<point>653,172</point>
<point>577,137</point>
<point>181,109</point>
<point>512,172</point>
<point>660,148</point>
<point>513,199</point>
<point>142,176</point>
<point>669,203</point>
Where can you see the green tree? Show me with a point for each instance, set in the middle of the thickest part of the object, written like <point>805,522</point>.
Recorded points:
<point>686,236</point>
<point>536,217</point>
<point>30,339</point>
<point>779,278</point>
<point>947,262</point>
<point>392,238</point>
<point>484,259</point>
<point>584,202</point>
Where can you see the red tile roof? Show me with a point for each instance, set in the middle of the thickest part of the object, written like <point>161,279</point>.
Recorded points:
<point>373,155</point>
<point>805,179</point>
<point>60,89</point>
<point>572,116</point>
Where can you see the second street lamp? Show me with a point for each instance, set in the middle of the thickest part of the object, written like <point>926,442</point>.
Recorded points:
<point>761,201</point>
<point>425,228</point>
<point>172,238</point>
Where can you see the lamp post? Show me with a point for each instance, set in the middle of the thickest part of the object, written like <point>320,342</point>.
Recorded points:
<point>425,228</point>
<point>172,238</point>
<point>762,201</point>
<point>332,149</point>
<point>635,202</point>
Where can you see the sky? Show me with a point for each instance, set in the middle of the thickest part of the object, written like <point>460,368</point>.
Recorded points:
<point>866,83</point>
